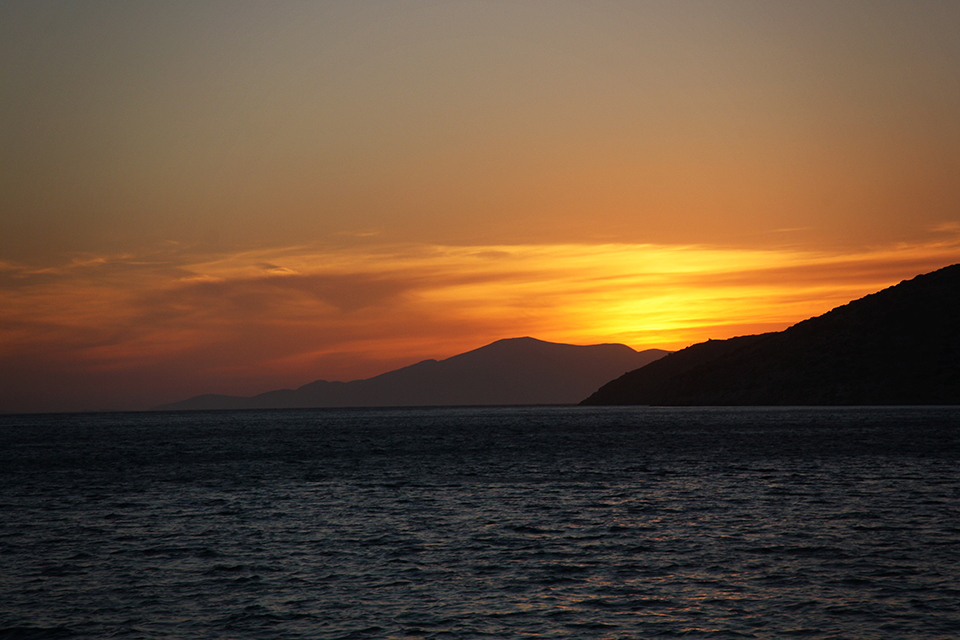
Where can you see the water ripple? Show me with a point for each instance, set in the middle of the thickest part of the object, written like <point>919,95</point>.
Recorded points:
<point>554,522</point>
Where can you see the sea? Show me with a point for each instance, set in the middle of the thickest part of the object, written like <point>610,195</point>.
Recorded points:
<point>496,522</point>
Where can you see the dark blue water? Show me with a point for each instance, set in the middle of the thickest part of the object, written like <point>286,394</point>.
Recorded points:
<point>467,523</point>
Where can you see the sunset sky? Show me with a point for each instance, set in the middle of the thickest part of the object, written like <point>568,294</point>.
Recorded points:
<point>233,197</point>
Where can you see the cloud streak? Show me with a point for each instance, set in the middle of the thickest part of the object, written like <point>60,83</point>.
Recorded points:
<point>243,322</point>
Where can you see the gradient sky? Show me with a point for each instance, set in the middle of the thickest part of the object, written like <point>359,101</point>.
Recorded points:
<point>233,197</point>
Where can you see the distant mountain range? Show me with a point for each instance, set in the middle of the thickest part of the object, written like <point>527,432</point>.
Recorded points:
<point>516,371</point>
<point>898,346</point>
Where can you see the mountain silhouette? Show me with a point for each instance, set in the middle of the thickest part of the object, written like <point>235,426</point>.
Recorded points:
<point>515,371</point>
<point>899,346</point>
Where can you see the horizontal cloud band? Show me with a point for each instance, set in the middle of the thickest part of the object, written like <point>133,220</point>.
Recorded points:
<point>86,332</point>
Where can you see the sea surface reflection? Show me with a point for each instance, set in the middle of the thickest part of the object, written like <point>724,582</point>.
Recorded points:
<point>555,522</point>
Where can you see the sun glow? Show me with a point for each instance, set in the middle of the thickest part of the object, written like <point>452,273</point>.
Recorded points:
<point>259,319</point>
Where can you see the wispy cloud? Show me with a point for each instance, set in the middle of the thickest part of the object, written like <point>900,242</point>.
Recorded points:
<point>951,227</point>
<point>252,320</point>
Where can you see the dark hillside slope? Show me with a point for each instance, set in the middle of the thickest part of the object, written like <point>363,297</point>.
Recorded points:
<point>898,346</point>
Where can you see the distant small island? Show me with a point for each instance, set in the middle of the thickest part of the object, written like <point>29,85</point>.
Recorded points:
<point>515,371</point>
<point>900,346</point>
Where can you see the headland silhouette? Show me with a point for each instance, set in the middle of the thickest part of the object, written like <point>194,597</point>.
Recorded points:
<point>900,346</point>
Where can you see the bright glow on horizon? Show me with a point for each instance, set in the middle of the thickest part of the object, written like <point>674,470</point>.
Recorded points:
<point>254,320</point>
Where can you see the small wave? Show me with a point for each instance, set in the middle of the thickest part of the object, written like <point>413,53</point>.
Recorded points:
<point>36,633</point>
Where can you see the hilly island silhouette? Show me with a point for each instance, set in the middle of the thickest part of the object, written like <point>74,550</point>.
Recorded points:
<point>514,371</point>
<point>899,346</point>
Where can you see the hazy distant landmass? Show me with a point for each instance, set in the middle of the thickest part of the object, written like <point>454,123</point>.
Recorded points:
<point>516,371</point>
<point>898,346</point>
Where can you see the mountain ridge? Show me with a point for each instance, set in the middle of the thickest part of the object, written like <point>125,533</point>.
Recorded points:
<point>511,371</point>
<point>900,345</point>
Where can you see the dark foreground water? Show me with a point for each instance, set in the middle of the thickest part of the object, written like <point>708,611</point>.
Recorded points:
<point>466,523</point>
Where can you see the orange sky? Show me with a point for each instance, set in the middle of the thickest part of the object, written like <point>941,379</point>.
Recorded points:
<point>232,197</point>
